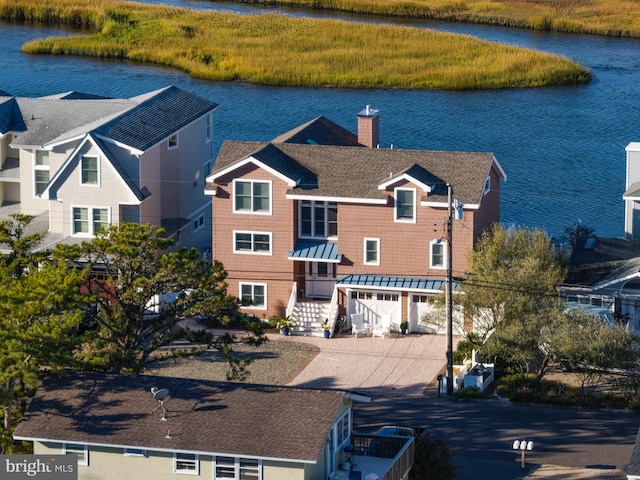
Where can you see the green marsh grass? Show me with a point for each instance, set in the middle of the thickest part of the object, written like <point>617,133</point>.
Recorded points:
<point>277,50</point>
<point>598,17</point>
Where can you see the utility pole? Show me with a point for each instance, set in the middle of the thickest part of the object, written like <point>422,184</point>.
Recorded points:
<point>449,291</point>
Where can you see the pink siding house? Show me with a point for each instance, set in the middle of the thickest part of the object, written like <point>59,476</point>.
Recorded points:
<point>320,222</point>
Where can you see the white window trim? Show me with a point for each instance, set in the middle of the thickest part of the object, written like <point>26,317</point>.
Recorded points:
<point>82,460</point>
<point>236,465</point>
<point>438,241</point>
<point>45,168</point>
<point>90,209</point>
<point>200,221</point>
<point>251,212</point>
<point>186,472</point>
<point>313,204</point>
<point>395,205</point>
<point>364,257</point>
<point>340,445</point>
<point>487,185</point>
<point>177,141</point>
<point>135,452</point>
<point>252,252</point>
<point>208,131</point>
<point>254,307</point>
<point>98,171</point>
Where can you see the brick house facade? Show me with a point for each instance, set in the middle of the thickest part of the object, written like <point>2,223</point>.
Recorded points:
<point>318,222</point>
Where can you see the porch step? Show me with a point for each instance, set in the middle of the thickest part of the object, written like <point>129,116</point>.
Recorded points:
<point>307,317</point>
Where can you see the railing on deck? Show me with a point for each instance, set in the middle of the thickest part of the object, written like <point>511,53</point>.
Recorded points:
<point>401,449</point>
<point>292,299</point>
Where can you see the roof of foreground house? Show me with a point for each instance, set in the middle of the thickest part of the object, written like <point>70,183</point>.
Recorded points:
<point>203,417</point>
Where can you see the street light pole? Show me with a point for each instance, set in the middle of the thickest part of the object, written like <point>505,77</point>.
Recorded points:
<point>449,291</point>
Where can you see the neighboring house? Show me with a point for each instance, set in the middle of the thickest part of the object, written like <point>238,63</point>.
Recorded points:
<point>122,430</point>
<point>319,222</point>
<point>605,272</point>
<point>79,162</point>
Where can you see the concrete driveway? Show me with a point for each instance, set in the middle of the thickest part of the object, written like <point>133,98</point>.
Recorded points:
<point>396,365</point>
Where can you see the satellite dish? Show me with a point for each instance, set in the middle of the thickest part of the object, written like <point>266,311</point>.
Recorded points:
<point>160,395</point>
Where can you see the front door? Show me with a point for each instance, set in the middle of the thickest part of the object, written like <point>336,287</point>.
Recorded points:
<point>320,278</point>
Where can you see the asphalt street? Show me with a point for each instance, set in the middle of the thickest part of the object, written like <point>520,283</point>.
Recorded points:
<point>481,434</point>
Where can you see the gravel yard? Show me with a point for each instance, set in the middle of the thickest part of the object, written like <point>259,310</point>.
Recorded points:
<point>274,363</point>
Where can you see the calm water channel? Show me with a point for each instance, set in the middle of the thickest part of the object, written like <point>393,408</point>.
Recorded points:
<point>562,148</point>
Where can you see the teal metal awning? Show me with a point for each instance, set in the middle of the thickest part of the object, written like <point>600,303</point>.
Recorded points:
<point>393,283</point>
<point>316,251</point>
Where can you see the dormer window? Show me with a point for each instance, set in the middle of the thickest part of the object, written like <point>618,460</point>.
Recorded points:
<point>405,205</point>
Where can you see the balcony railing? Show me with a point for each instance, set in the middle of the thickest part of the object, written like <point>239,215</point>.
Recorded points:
<point>369,450</point>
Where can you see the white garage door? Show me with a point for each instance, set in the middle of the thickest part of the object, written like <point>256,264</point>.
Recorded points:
<point>376,304</point>
<point>427,317</point>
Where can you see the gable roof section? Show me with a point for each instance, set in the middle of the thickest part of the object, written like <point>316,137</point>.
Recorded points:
<point>319,131</point>
<point>156,118</point>
<point>267,156</point>
<point>203,417</point>
<point>415,173</point>
<point>104,148</point>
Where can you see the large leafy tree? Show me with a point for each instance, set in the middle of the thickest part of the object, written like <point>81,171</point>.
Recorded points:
<point>140,288</point>
<point>510,293</point>
<point>39,314</point>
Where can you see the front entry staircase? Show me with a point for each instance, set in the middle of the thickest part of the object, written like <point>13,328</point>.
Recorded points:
<point>307,317</point>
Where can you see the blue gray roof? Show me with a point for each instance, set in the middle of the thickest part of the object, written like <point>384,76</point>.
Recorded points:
<point>396,283</point>
<point>325,251</point>
<point>156,118</point>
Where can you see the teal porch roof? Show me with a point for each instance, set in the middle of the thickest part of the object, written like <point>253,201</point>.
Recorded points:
<point>317,251</point>
<point>393,283</point>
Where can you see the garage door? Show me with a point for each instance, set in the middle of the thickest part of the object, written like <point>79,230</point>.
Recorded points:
<point>376,304</point>
<point>425,316</point>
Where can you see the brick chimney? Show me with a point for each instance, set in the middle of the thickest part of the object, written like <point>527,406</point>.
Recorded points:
<point>368,127</point>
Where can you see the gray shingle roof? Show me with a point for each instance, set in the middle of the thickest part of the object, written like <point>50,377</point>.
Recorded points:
<point>203,416</point>
<point>10,118</point>
<point>356,172</point>
<point>156,118</point>
<point>319,131</point>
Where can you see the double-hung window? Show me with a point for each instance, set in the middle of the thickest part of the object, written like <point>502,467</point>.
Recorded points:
<point>77,449</point>
<point>258,243</point>
<point>254,295</point>
<point>437,254</point>
<point>89,170</point>
<point>89,221</point>
<point>318,219</point>
<point>405,205</point>
<point>236,468</point>
<point>372,251</point>
<point>186,463</point>
<point>41,171</point>
<point>251,196</point>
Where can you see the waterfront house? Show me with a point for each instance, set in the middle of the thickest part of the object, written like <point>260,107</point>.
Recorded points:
<point>128,427</point>
<point>79,162</point>
<point>605,272</point>
<point>321,222</point>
